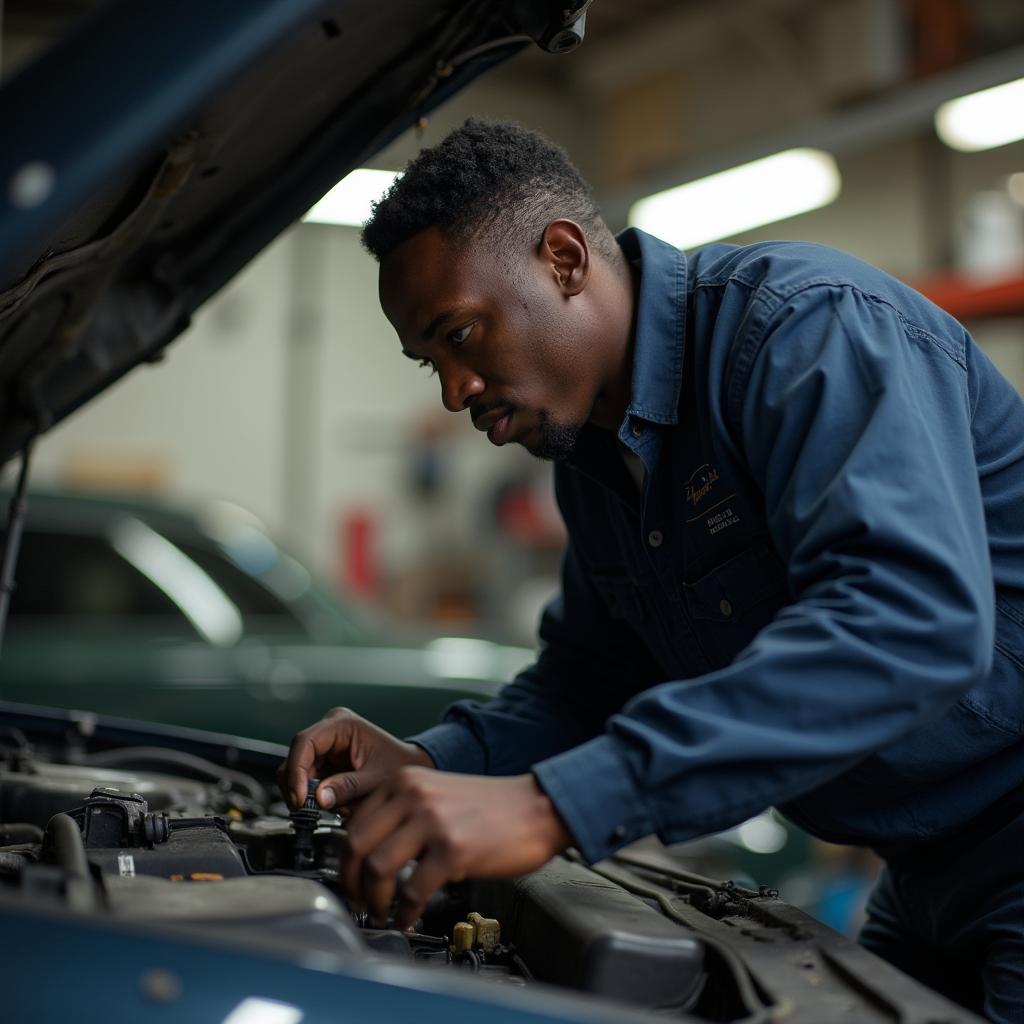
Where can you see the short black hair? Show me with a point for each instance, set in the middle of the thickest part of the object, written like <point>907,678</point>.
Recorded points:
<point>483,176</point>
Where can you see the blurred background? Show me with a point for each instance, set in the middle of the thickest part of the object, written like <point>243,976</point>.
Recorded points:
<point>287,409</point>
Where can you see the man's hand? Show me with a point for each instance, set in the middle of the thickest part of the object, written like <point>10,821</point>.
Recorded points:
<point>343,743</point>
<point>455,826</point>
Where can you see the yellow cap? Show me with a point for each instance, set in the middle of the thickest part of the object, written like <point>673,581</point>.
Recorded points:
<point>462,937</point>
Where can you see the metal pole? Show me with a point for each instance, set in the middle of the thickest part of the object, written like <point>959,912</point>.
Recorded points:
<point>12,538</point>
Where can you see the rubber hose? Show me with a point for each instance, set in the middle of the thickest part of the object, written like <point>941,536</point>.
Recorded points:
<point>20,832</point>
<point>69,846</point>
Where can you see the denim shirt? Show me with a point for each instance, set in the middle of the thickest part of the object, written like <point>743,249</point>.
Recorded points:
<point>815,601</point>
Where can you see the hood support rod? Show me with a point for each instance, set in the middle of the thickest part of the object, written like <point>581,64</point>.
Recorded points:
<point>12,536</point>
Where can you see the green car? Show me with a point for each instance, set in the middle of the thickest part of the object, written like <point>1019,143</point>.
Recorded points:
<point>199,619</point>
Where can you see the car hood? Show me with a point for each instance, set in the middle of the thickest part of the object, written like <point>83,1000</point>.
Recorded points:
<point>153,152</point>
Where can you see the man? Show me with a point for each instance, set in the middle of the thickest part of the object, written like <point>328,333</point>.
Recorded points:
<point>794,575</point>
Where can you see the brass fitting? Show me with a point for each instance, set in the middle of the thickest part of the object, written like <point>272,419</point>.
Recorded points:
<point>462,937</point>
<point>486,931</point>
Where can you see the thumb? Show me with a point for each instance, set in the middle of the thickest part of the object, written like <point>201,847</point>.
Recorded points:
<point>341,789</point>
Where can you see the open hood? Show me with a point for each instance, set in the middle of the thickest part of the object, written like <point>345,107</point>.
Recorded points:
<point>156,150</point>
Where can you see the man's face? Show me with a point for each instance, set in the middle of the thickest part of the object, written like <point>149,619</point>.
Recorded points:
<point>505,338</point>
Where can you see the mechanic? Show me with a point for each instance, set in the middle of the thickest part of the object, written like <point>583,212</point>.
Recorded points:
<point>794,575</point>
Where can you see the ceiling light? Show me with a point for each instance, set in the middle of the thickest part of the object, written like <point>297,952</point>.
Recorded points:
<point>741,198</point>
<point>350,201</point>
<point>983,120</point>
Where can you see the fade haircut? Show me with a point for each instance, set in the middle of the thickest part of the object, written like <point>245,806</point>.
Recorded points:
<point>487,178</point>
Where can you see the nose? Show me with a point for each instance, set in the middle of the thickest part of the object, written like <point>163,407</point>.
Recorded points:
<point>459,385</point>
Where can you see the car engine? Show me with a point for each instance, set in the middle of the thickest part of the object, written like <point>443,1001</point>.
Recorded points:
<point>165,837</point>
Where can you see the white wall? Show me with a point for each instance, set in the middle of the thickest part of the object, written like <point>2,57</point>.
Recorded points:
<point>210,411</point>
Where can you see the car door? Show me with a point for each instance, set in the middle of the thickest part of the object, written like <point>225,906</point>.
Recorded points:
<point>92,627</point>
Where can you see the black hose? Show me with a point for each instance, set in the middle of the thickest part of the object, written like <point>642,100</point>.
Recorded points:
<point>164,757</point>
<point>690,878</point>
<point>69,846</point>
<point>17,832</point>
<point>80,889</point>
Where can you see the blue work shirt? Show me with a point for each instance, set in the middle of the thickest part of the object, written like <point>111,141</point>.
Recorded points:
<point>816,599</point>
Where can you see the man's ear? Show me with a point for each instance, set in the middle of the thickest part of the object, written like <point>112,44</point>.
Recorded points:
<point>563,247</point>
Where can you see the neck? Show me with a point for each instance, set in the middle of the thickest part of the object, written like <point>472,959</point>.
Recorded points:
<point>618,320</point>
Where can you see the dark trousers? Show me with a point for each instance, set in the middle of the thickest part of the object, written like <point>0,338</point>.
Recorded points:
<point>956,923</point>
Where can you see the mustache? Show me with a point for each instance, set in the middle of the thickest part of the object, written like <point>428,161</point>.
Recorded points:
<point>479,410</point>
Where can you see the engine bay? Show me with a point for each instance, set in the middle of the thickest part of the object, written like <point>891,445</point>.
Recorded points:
<point>163,837</point>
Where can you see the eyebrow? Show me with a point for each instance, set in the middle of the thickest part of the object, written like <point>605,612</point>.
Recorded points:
<point>443,317</point>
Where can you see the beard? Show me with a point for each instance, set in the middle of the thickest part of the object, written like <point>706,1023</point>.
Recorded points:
<point>557,440</point>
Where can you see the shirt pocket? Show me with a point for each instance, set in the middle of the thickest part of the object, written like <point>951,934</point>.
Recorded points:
<point>732,603</point>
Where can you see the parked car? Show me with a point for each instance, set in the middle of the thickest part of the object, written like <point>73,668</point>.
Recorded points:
<point>201,619</point>
<point>150,871</point>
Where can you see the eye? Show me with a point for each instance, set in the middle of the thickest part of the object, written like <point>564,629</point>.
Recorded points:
<point>461,334</point>
<point>429,363</point>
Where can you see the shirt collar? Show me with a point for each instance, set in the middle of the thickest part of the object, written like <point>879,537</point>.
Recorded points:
<point>660,334</point>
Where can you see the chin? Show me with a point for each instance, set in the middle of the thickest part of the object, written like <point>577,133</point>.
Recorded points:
<point>553,441</point>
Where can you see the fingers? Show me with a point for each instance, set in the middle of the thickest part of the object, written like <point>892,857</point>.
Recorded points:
<point>431,873</point>
<point>376,818</point>
<point>328,740</point>
<point>341,790</point>
<point>382,866</point>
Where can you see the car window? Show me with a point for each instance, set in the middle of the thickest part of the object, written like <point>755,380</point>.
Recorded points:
<point>81,575</point>
<point>250,596</point>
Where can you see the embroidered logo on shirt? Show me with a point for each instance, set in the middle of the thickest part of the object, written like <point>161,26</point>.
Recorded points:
<point>699,486</point>
<point>720,521</point>
<point>717,516</point>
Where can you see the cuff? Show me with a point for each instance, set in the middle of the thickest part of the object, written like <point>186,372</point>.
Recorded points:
<point>453,748</point>
<point>592,789</point>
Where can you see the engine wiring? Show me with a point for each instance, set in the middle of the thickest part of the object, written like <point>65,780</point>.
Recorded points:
<point>757,1010</point>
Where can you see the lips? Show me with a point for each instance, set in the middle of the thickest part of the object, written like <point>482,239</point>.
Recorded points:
<point>496,422</point>
<point>499,432</point>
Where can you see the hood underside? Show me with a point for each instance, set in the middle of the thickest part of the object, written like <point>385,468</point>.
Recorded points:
<point>153,153</point>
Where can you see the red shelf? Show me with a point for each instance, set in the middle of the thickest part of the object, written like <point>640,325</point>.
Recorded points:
<point>973,299</point>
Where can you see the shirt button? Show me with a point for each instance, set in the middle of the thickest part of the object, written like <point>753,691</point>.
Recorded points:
<point>636,428</point>
<point>618,834</point>
<point>654,538</point>
<point>725,607</point>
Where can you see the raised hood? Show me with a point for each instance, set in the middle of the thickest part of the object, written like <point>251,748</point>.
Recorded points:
<point>156,150</point>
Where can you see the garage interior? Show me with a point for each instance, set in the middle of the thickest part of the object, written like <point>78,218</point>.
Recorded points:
<point>289,397</point>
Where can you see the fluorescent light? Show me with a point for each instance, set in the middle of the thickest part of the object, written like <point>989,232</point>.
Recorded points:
<point>740,198</point>
<point>201,601</point>
<point>983,120</point>
<point>349,202</point>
